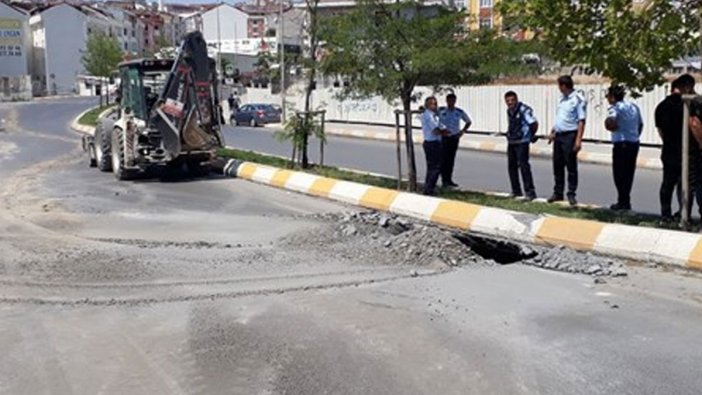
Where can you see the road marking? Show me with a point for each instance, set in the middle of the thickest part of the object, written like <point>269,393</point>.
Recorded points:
<point>456,214</point>
<point>378,198</point>
<point>322,186</point>
<point>281,177</point>
<point>574,233</point>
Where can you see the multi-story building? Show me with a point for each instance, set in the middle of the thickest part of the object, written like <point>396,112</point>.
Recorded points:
<point>59,36</point>
<point>13,41</point>
<point>482,14</point>
<point>15,83</point>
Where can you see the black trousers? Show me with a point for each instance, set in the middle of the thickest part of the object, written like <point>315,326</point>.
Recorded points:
<point>672,182</point>
<point>518,161</point>
<point>432,153</point>
<point>624,155</point>
<point>565,158</point>
<point>449,146</point>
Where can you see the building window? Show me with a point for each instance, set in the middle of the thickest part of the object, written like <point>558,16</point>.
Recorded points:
<point>485,22</point>
<point>485,3</point>
<point>125,31</point>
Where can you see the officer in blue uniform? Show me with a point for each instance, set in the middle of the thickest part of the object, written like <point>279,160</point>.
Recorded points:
<point>432,130</point>
<point>567,137</point>
<point>625,123</point>
<point>451,116</point>
<point>520,134</point>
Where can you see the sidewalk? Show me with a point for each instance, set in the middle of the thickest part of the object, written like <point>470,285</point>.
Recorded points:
<point>591,152</point>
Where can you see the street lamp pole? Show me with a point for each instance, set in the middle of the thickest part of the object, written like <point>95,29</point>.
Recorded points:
<point>281,43</point>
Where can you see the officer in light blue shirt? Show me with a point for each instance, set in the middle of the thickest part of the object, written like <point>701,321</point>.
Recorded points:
<point>567,136</point>
<point>625,123</point>
<point>451,116</point>
<point>432,130</point>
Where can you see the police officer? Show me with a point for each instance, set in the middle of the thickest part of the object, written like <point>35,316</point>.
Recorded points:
<point>451,116</point>
<point>433,130</point>
<point>625,123</point>
<point>567,137</point>
<point>520,133</point>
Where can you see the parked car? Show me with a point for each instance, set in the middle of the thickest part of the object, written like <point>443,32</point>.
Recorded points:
<point>255,115</point>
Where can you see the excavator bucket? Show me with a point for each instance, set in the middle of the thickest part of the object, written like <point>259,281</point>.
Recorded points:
<point>186,111</point>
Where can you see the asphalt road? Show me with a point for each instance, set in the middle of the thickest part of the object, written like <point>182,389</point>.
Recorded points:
<point>480,171</point>
<point>220,286</point>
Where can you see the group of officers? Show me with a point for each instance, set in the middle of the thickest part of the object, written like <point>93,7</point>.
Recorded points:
<point>442,131</point>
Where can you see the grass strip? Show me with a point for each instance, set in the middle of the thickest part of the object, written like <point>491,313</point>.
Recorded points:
<point>479,198</point>
<point>90,118</point>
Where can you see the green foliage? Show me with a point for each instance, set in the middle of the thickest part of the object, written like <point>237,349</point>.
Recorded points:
<point>389,49</point>
<point>90,118</point>
<point>632,45</point>
<point>102,54</point>
<point>297,130</point>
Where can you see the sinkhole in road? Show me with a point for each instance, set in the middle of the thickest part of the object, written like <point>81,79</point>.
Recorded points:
<point>500,251</point>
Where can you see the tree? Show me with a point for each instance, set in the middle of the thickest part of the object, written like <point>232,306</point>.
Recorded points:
<point>101,56</point>
<point>632,44</point>
<point>303,125</point>
<point>390,49</point>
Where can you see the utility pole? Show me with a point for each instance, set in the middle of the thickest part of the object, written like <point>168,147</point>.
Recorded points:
<point>219,53</point>
<point>281,43</point>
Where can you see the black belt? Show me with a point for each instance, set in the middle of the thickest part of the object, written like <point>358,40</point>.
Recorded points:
<point>566,132</point>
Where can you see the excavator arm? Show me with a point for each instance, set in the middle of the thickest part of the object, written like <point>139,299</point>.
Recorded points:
<point>187,114</point>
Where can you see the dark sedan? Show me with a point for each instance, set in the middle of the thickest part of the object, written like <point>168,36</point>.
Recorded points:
<point>255,115</point>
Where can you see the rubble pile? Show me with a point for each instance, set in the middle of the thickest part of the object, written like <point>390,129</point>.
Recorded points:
<point>564,259</point>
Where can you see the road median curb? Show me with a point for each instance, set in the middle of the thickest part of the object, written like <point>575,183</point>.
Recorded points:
<point>669,247</point>
<point>486,146</point>
<point>85,129</point>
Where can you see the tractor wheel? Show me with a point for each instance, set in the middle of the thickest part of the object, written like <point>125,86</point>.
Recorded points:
<point>118,160</point>
<point>197,168</point>
<point>101,145</point>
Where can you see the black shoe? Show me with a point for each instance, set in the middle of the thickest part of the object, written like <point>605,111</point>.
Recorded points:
<point>667,220</point>
<point>530,198</point>
<point>555,198</point>
<point>572,201</point>
<point>514,195</point>
<point>620,207</point>
<point>450,184</point>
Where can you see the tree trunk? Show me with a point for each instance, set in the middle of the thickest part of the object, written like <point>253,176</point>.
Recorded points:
<point>307,120</point>
<point>107,91</point>
<point>409,142</point>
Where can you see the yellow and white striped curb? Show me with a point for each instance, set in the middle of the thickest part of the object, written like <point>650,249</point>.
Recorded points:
<point>627,242</point>
<point>487,146</point>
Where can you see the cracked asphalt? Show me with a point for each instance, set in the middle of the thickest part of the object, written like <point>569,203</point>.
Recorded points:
<point>220,286</point>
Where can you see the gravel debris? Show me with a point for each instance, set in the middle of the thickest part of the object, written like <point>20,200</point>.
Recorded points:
<point>565,259</point>
<point>384,238</point>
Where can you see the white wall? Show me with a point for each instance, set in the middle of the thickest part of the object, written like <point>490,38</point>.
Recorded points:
<point>14,42</point>
<point>232,23</point>
<point>484,103</point>
<point>65,41</point>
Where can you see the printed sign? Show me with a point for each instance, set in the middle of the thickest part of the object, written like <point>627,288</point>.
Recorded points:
<point>10,37</point>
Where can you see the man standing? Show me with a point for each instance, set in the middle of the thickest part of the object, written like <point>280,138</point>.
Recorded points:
<point>521,132</point>
<point>451,116</point>
<point>669,122</point>
<point>625,123</point>
<point>567,137</point>
<point>433,130</point>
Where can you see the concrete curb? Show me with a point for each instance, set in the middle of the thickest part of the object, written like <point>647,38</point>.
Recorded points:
<point>668,247</point>
<point>89,130</point>
<point>467,144</point>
